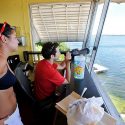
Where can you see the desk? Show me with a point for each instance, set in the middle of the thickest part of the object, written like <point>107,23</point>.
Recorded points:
<point>62,106</point>
<point>78,85</point>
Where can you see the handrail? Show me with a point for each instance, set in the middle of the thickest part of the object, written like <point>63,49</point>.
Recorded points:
<point>27,53</point>
<point>38,53</point>
<point>74,52</point>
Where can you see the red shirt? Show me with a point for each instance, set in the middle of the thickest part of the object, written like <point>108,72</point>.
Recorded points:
<point>46,79</point>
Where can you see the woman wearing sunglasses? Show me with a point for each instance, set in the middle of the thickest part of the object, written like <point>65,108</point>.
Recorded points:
<point>9,112</point>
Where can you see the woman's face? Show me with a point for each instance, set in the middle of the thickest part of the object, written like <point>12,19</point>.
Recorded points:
<point>12,42</point>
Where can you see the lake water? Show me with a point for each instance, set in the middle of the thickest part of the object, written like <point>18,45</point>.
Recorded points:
<point>111,53</point>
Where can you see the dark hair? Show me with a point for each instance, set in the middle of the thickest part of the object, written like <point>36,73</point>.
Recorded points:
<point>7,31</point>
<point>49,49</point>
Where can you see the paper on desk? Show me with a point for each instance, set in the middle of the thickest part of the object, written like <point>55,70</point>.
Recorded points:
<point>64,104</point>
<point>63,107</point>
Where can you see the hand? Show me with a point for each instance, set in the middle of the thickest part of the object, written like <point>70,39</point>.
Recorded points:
<point>68,56</point>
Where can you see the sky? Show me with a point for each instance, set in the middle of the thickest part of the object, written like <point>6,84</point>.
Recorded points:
<point>115,20</point>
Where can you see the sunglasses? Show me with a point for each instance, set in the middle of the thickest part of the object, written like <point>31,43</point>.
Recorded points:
<point>2,29</point>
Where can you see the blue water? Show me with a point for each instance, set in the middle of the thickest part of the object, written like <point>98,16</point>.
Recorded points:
<point>111,54</point>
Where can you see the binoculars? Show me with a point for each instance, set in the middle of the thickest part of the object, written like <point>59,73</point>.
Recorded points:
<point>76,52</point>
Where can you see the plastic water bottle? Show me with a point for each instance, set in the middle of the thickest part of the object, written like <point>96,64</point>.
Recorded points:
<point>79,67</point>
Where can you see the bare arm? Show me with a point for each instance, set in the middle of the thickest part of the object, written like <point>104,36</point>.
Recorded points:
<point>62,65</point>
<point>2,122</point>
<point>68,71</point>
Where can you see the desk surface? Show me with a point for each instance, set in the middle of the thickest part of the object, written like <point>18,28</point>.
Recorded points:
<point>78,85</point>
<point>62,106</point>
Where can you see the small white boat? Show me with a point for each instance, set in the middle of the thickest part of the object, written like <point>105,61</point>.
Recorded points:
<point>99,69</point>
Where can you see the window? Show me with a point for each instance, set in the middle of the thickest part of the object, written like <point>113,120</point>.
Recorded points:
<point>111,54</point>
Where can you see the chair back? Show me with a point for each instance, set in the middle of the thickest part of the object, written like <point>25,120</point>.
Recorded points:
<point>24,83</point>
<point>13,61</point>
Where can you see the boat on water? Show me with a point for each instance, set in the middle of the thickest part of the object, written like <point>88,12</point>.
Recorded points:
<point>99,68</point>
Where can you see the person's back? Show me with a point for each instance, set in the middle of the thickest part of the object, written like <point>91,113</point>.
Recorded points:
<point>47,77</point>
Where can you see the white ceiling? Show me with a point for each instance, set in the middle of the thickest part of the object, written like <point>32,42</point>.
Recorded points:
<point>61,21</point>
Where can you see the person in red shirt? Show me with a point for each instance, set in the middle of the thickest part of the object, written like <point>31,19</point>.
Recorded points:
<point>47,77</point>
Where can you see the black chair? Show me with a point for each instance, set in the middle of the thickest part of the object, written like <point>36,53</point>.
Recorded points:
<point>26,67</point>
<point>44,108</point>
<point>24,83</point>
<point>13,61</point>
<point>26,86</point>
